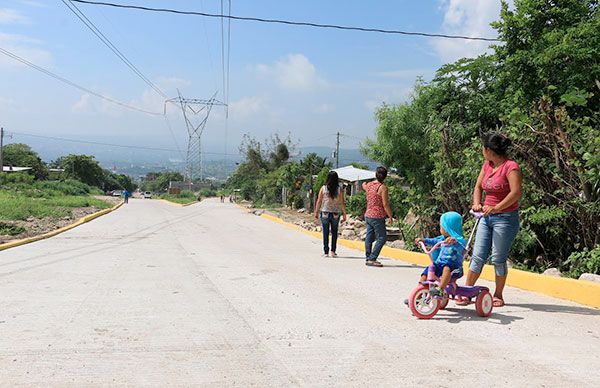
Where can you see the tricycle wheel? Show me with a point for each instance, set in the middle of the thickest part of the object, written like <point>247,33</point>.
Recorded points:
<point>484,304</point>
<point>444,302</point>
<point>422,305</point>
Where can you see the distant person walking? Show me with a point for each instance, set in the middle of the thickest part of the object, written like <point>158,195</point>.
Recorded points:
<point>126,195</point>
<point>500,179</point>
<point>330,205</point>
<point>378,208</point>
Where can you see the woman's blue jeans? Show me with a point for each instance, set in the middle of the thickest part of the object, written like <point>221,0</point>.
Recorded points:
<point>375,232</point>
<point>330,220</point>
<point>495,235</point>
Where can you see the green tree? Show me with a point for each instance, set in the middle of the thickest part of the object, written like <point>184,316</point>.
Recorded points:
<point>21,155</point>
<point>541,87</point>
<point>85,169</point>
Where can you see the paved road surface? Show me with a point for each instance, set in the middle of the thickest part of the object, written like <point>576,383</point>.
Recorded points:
<point>209,295</point>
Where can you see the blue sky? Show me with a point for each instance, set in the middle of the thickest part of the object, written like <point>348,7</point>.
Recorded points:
<point>310,82</point>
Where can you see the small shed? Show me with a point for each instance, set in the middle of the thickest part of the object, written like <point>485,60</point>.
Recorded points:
<point>353,178</point>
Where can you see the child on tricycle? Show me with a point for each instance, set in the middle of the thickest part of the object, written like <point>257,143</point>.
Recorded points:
<point>447,261</point>
<point>438,281</point>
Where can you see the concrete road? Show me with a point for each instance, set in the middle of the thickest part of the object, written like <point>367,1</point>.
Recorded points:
<point>209,295</point>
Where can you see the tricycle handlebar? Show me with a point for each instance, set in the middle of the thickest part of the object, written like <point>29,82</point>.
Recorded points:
<point>475,214</point>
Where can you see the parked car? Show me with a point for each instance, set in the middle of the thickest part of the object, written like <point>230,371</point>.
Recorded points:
<point>117,193</point>
<point>147,195</point>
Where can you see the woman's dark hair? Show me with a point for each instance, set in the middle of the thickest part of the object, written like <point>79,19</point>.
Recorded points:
<point>497,143</point>
<point>381,173</point>
<point>332,183</point>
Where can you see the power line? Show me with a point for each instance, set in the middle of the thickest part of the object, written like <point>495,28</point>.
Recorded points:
<point>288,22</point>
<point>173,135</point>
<point>73,84</point>
<point>228,57</point>
<point>89,24</point>
<point>107,144</point>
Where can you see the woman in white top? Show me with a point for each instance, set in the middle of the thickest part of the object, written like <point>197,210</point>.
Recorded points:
<point>330,205</point>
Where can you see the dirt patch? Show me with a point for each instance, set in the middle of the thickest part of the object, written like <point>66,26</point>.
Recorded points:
<point>36,226</point>
<point>353,229</point>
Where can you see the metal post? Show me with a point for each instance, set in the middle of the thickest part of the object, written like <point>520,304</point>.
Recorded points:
<point>1,145</point>
<point>312,194</point>
<point>337,151</point>
<point>192,108</point>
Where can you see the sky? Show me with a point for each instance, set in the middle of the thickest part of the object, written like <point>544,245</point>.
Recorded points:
<point>283,79</point>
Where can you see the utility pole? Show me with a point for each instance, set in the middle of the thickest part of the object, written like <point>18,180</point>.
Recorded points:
<point>1,144</point>
<point>337,151</point>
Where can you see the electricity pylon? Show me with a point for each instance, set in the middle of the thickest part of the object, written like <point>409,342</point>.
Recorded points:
<point>195,113</point>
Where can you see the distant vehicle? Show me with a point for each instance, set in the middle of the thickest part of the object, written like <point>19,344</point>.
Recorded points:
<point>147,195</point>
<point>117,193</point>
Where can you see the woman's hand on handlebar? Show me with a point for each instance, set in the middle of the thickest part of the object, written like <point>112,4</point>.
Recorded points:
<point>487,210</point>
<point>477,207</point>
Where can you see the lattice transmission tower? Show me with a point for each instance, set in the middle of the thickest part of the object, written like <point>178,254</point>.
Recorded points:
<point>195,114</point>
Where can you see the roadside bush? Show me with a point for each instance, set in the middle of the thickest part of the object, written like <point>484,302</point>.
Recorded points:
<point>16,177</point>
<point>356,205</point>
<point>208,193</point>
<point>187,194</point>
<point>584,261</point>
<point>66,187</point>
<point>7,229</point>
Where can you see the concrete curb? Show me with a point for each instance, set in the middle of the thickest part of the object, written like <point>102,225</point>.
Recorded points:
<point>178,204</point>
<point>580,291</point>
<point>81,221</point>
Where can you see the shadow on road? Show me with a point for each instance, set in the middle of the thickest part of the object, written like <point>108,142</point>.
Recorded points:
<point>554,308</point>
<point>385,265</point>
<point>466,314</point>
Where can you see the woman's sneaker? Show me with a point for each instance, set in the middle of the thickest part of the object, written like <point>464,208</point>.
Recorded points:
<point>332,254</point>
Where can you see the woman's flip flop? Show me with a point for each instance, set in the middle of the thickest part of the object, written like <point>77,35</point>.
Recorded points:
<point>498,302</point>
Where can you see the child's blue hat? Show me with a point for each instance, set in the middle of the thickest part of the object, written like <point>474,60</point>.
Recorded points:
<point>452,224</point>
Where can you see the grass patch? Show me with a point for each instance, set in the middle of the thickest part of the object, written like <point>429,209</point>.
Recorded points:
<point>19,204</point>
<point>7,229</point>
<point>178,199</point>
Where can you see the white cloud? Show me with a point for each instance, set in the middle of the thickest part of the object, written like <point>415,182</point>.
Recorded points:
<point>171,82</point>
<point>293,72</point>
<point>24,47</point>
<point>248,106</point>
<point>396,95</point>
<point>325,108</point>
<point>469,18</point>
<point>33,3</point>
<point>11,16</point>
<point>404,73</point>
<point>82,105</point>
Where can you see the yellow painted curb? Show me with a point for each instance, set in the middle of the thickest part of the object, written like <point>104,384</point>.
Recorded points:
<point>81,221</point>
<point>178,204</point>
<point>580,291</point>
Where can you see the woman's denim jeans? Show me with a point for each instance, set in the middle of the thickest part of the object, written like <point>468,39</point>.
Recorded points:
<point>495,233</point>
<point>330,220</point>
<point>375,232</point>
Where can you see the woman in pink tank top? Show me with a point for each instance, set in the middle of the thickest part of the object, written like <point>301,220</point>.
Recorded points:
<point>501,182</point>
<point>378,208</point>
